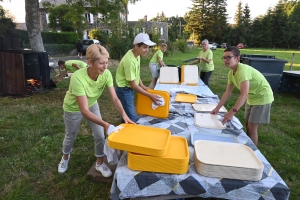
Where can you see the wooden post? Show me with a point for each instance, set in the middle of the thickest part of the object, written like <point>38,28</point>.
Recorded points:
<point>292,61</point>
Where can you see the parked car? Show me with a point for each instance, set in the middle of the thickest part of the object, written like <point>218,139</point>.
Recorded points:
<point>224,45</point>
<point>87,42</point>
<point>212,45</point>
<point>241,46</point>
<point>190,43</point>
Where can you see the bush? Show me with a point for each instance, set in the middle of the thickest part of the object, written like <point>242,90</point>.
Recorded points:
<point>60,38</point>
<point>181,46</point>
<point>56,49</point>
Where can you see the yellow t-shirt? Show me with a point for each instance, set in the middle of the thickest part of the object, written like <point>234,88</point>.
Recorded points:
<point>157,54</point>
<point>128,70</point>
<point>72,69</point>
<point>206,67</point>
<point>260,92</point>
<point>82,85</point>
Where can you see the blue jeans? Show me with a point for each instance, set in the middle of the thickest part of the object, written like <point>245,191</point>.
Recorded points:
<point>126,96</point>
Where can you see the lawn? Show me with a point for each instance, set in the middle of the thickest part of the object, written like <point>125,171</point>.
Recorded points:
<point>32,131</point>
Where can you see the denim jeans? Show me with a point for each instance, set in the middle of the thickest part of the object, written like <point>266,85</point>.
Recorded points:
<point>205,76</point>
<point>126,96</point>
<point>72,123</point>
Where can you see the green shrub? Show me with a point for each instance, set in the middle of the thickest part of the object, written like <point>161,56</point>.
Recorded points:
<point>57,49</point>
<point>60,38</point>
<point>100,35</point>
<point>181,46</point>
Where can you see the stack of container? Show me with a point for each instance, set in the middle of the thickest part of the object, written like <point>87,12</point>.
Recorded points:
<point>151,149</point>
<point>227,160</point>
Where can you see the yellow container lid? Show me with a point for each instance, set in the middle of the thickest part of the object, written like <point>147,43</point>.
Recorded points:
<point>175,161</point>
<point>141,139</point>
<point>187,98</point>
<point>144,104</point>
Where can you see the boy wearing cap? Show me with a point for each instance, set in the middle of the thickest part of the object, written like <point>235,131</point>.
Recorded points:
<point>128,76</point>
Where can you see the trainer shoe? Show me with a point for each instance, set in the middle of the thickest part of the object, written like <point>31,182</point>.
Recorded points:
<point>105,171</point>
<point>63,165</point>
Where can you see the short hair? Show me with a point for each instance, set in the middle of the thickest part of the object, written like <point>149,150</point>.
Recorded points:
<point>205,41</point>
<point>95,51</point>
<point>140,44</point>
<point>60,62</point>
<point>234,50</point>
<point>164,45</point>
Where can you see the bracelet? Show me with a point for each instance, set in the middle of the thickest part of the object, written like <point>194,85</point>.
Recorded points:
<point>234,110</point>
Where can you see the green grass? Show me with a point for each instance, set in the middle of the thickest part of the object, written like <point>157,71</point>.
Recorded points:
<point>32,131</point>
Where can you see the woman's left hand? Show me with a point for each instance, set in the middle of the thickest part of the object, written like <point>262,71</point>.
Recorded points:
<point>126,119</point>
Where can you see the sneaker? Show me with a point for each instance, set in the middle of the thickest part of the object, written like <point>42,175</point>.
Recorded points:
<point>105,171</point>
<point>63,165</point>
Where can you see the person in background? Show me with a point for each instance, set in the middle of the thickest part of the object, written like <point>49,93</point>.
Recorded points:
<point>155,63</point>
<point>128,75</point>
<point>69,66</point>
<point>86,86</point>
<point>79,48</point>
<point>206,62</point>
<point>254,90</point>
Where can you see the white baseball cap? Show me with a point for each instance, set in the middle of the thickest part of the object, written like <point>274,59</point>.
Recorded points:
<point>143,38</point>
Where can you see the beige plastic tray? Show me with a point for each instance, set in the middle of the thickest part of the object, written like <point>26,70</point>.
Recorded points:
<point>207,120</point>
<point>175,161</point>
<point>189,74</point>
<point>144,104</point>
<point>227,160</point>
<point>169,75</point>
<point>207,107</point>
<point>141,139</point>
<point>187,98</point>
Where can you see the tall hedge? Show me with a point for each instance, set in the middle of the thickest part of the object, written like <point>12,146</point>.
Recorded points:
<point>48,37</point>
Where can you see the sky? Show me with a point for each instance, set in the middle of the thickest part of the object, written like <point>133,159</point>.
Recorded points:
<point>152,7</point>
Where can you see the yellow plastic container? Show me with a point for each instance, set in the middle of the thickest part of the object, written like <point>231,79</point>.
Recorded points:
<point>176,161</point>
<point>187,98</point>
<point>189,75</point>
<point>141,139</point>
<point>144,104</point>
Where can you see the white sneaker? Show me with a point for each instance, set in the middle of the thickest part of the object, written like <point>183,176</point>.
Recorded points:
<point>63,165</point>
<point>105,171</point>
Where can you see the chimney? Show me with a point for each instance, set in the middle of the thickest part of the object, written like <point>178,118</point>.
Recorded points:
<point>145,18</point>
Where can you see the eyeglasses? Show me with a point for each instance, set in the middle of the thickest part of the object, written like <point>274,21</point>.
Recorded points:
<point>227,57</point>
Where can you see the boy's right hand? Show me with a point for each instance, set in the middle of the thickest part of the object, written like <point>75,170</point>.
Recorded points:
<point>155,98</point>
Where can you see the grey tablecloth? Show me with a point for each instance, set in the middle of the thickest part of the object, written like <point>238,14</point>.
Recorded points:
<point>137,184</point>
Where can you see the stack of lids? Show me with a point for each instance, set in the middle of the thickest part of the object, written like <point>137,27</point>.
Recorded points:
<point>189,74</point>
<point>151,149</point>
<point>227,160</point>
<point>144,105</point>
<point>169,75</point>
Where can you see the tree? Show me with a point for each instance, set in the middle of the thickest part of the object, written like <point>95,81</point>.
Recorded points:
<point>238,17</point>
<point>206,19</point>
<point>33,25</point>
<point>6,22</point>
<point>66,18</point>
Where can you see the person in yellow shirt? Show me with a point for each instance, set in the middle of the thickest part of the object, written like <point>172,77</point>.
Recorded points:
<point>156,62</point>
<point>69,66</point>
<point>254,90</point>
<point>205,59</point>
<point>86,86</point>
<point>128,75</point>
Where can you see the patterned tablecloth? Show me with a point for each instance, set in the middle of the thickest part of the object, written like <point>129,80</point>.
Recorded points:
<point>138,184</point>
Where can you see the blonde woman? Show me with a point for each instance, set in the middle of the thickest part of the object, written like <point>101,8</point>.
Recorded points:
<point>86,86</point>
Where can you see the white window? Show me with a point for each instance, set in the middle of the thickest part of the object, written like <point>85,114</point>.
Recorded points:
<point>89,18</point>
<point>47,18</point>
<point>161,31</point>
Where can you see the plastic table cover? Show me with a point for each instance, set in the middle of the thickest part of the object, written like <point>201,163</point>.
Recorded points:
<point>138,184</point>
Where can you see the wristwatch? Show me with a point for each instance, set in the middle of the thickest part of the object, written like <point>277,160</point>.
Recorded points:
<point>234,110</point>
